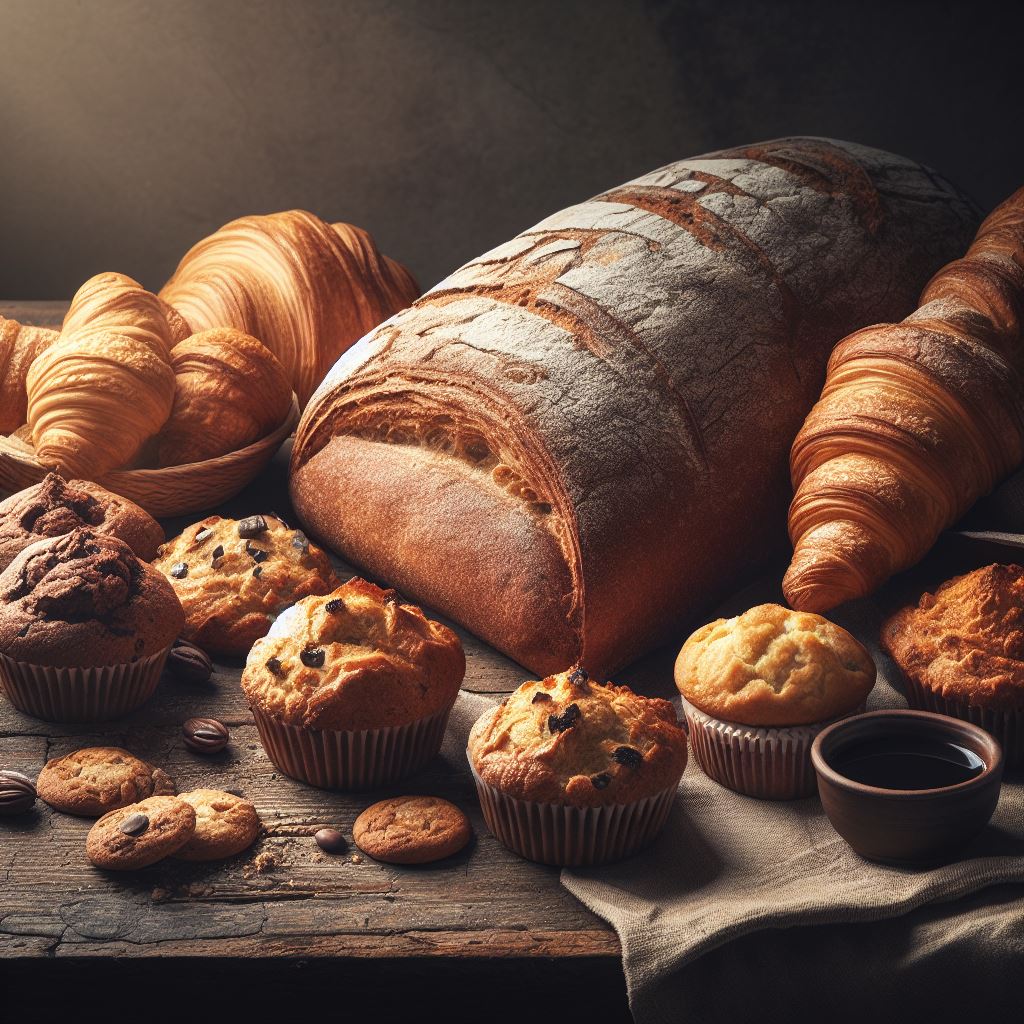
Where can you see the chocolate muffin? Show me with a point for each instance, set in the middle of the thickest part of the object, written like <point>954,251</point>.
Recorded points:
<point>570,770</point>
<point>85,627</point>
<point>235,576</point>
<point>55,507</point>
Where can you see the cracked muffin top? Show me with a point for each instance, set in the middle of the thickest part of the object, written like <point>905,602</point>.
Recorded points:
<point>772,666</point>
<point>85,599</point>
<point>357,658</point>
<point>571,740</point>
<point>965,642</point>
<point>235,576</point>
<point>54,507</point>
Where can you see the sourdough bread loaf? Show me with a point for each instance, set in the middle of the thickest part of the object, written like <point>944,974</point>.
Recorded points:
<point>580,439</point>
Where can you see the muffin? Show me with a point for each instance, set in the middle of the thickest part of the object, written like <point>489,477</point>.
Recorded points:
<point>573,771</point>
<point>961,652</point>
<point>757,688</point>
<point>85,627</point>
<point>54,507</point>
<point>353,689</point>
<point>235,576</point>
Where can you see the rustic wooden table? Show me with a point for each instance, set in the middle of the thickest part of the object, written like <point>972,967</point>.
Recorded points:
<point>380,933</point>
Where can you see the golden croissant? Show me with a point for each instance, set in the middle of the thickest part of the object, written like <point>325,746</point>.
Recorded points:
<point>231,391</point>
<point>917,421</point>
<point>106,385</point>
<point>19,346</point>
<point>305,288</point>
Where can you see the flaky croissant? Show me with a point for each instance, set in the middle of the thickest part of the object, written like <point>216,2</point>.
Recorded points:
<point>917,420</point>
<point>19,346</point>
<point>231,391</point>
<point>305,288</point>
<point>106,385</point>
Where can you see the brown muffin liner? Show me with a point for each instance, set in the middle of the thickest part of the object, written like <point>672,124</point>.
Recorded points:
<point>357,759</point>
<point>1005,726</point>
<point>80,694</point>
<point>768,763</point>
<point>573,836</point>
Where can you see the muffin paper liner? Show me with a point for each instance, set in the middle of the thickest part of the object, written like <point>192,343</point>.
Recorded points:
<point>768,763</point>
<point>1005,726</point>
<point>357,759</point>
<point>573,836</point>
<point>80,694</point>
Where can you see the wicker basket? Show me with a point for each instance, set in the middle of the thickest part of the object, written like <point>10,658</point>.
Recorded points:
<point>174,491</point>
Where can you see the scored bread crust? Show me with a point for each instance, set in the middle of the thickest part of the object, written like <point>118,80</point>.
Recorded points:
<point>581,438</point>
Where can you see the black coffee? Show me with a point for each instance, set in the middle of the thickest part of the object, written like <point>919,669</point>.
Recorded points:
<point>907,762</point>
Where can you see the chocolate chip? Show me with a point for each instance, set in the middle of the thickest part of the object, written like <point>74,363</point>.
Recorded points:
<point>17,792</point>
<point>330,840</point>
<point>628,756</point>
<point>203,535</point>
<point>566,720</point>
<point>179,571</point>
<point>312,657</point>
<point>218,554</point>
<point>134,825</point>
<point>600,781</point>
<point>256,554</point>
<point>205,735</point>
<point>541,697</point>
<point>301,542</point>
<point>334,605</point>
<point>578,677</point>
<point>188,663</point>
<point>24,629</point>
<point>252,526</point>
<point>258,571</point>
<point>274,666</point>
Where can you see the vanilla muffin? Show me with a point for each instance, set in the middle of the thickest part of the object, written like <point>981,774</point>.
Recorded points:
<point>578,758</point>
<point>54,507</point>
<point>353,688</point>
<point>85,627</point>
<point>758,687</point>
<point>961,652</point>
<point>235,576</point>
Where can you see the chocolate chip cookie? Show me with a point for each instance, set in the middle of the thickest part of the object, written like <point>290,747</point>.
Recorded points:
<point>411,830</point>
<point>235,576</point>
<point>140,834</point>
<point>96,780</point>
<point>225,825</point>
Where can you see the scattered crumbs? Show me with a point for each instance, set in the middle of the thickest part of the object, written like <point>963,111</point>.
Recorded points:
<point>159,895</point>
<point>356,859</point>
<point>261,864</point>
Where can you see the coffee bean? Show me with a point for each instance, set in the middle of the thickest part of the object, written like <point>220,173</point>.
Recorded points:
<point>179,571</point>
<point>334,605</point>
<point>203,535</point>
<point>566,720</point>
<point>205,735</point>
<point>628,756</point>
<point>330,840</point>
<point>17,792</point>
<point>134,825</point>
<point>256,554</point>
<point>252,526</point>
<point>312,657</point>
<point>188,663</point>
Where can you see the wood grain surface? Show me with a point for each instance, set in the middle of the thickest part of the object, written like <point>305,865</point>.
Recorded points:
<point>285,902</point>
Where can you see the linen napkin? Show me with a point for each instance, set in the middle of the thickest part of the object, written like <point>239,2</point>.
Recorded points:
<point>728,866</point>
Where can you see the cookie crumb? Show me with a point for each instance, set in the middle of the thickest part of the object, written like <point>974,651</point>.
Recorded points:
<point>356,859</point>
<point>261,864</point>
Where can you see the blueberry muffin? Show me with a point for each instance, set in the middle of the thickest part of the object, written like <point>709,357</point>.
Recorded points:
<point>758,687</point>
<point>563,754</point>
<point>961,652</point>
<point>354,687</point>
<point>235,576</point>
<point>55,507</point>
<point>85,627</point>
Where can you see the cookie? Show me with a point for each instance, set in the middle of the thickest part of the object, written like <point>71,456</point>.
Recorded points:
<point>235,576</point>
<point>225,825</point>
<point>411,830</point>
<point>96,780</point>
<point>140,834</point>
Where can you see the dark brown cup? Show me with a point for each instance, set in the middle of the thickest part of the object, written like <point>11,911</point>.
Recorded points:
<point>907,827</point>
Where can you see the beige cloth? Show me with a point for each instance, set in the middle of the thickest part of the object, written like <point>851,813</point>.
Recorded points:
<point>729,867</point>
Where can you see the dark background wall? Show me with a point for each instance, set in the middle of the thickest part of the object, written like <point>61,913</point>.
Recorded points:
<point>128,129</point>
